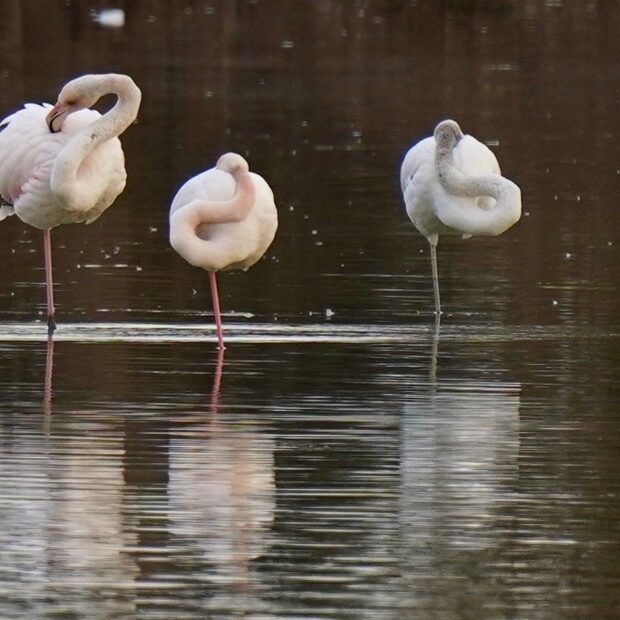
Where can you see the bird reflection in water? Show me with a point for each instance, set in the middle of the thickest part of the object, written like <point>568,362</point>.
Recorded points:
<point>459,460</point>
<point>221,496</point>
<point>48,383</point>
<point>69,511</point>
<point>435,350</point>
<point>217,381</point>
<point>459,472</point>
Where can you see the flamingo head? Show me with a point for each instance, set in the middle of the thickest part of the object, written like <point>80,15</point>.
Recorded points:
<point>448,133</point>
<point>232,163</point>
<point>75,95</point>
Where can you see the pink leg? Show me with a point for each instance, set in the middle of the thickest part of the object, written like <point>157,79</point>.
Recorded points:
<point>216,310</point>
<point>47,244</point>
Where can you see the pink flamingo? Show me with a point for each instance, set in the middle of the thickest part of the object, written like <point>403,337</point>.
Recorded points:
<point>64,164</point>
<point>221,219</point>
<point>452,184</point>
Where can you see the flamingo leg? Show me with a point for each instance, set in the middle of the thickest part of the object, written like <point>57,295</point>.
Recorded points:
<point>435,278</point>
<point>49,282</point>
<point>216,310</point>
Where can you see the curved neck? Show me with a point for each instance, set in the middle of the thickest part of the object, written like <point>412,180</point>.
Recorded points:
<point>186,220</point>
<point>65,180</point>
<point>476,220</point>
<point>455,182</point>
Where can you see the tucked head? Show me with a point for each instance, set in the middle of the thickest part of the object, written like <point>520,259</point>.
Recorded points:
<point>448,133</point>
<point>232,163</point>
<point>83,92</point>
<point>75,95</point>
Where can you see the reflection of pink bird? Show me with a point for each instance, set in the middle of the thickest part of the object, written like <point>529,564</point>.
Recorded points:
<point>64,164</point>
<point>224,218</point>
<point>452,184</point>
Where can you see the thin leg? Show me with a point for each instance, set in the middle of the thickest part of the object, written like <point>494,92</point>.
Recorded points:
<point>49,282</point>
<point>435,278</point>
<point>216,310</point>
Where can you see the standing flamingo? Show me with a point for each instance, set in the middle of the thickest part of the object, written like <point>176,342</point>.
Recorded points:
<point>452,184</point>
<point>64,164</point>
<point>223,218</point>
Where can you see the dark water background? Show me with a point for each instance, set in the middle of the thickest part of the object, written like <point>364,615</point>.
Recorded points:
<point>342,460</point>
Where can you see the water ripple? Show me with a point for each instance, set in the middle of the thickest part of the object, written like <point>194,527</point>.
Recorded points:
<point>285,333</point>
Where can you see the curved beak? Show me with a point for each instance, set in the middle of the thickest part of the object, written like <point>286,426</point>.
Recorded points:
<point>56,117</point>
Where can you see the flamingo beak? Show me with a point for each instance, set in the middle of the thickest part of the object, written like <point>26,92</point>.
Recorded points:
<point>56,117</point>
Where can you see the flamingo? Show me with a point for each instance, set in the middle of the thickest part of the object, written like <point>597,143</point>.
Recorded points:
<point>64,164</point>
<point>223,218</point>
<point>452,184</point>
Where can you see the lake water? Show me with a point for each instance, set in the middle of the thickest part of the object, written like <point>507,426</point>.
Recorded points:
<point>344,458</point>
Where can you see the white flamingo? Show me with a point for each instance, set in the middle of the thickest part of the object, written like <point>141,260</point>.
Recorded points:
<point>64,164</point>
<point>452,184</point>
<point>221,219</point>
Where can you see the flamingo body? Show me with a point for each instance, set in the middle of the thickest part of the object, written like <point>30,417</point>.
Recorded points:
<point>452,184</point>
<point>230,245</point>
<point>29,151</point>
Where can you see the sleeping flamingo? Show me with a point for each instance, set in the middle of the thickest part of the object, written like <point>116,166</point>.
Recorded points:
<point>64,164</point>
<point>452,184</point>
<point>221,219</point>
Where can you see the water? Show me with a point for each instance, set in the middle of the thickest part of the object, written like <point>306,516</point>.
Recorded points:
<point>344,458</point>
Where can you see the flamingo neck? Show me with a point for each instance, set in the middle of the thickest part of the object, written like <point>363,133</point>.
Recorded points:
<point>455,182</point>
<point>507,195</point>
<point>65,180</point>
<point>186,220</point>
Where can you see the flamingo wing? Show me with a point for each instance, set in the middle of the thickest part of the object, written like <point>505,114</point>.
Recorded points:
<point>419,156</point>
<point>472,157</point>
<point>27,154</point>
<point>212,184</point>
<point>26,146</point>
<point>478,214</point>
